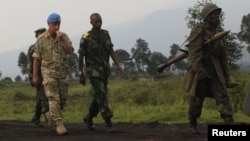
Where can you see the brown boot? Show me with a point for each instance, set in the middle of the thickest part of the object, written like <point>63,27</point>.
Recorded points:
<point>60,128</point>
<point>49,121</point>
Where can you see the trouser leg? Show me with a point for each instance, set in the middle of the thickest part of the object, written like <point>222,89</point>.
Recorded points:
<point>100,95</point>
<point>222,101</point>
<point>52,91</point>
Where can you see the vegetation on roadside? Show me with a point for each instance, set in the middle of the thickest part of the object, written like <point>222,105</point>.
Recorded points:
<point>131,100</point>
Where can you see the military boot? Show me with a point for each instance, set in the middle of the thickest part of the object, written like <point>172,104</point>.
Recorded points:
<point>37,121</point>
<point>227,118</point>
<point>193,126</point>
<point>60,128</point>
<point>109,126</point>
<point>49,121</point>
<point>89,121</point>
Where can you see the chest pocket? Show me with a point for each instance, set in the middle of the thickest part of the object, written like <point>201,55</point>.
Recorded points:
<point>47,53</point>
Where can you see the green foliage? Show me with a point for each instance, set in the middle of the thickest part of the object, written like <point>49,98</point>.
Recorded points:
<point>244,34</point>
<point>18,78</point>
<point>22,63</point>
<point>140,54</point>
<point>73,66</point>
<point>131,100</point>
<point>7,80</point>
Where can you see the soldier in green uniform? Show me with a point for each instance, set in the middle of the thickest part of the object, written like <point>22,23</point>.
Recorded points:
<point>208,73</point>
<point>96,47</point>
<point>41,100</point>
<point>52,50</point>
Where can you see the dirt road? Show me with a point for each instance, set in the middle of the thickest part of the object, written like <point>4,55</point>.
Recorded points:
<point>26,131</point>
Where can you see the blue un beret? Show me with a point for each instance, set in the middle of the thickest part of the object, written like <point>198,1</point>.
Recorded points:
<point>54,18</point>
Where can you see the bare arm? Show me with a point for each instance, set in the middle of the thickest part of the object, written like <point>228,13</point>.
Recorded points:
<point>35,79</point>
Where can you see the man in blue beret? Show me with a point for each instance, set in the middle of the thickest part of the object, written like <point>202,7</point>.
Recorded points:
<point>52,50</point>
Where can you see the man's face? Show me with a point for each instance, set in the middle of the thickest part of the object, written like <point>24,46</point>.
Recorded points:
<point>214,17</point>
<point>53,28</point>
<point>96,22</point>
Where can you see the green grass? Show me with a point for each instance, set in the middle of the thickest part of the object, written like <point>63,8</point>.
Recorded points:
<point>131,101</point>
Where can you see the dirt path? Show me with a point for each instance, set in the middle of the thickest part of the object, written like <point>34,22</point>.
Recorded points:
<point>26,131</point>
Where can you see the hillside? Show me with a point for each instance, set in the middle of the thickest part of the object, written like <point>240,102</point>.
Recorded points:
<point>160,30</point>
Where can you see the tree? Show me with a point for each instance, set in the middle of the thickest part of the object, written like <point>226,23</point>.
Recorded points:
<point>234,50</point>
<point>155,59</point>
<point>244,34</point>
<point>22,63</point>
<point>181,65</point>
<point>123,56</point>
<point>18,78</point>
<point>125,61</point>
<point>140,53</point>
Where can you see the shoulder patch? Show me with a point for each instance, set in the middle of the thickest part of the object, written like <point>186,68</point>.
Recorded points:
<point>85,35</point>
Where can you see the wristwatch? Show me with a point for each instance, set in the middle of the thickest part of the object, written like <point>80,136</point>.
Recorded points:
<point>80,73</point>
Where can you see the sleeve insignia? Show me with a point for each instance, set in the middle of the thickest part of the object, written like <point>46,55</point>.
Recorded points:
<point>85,35</point>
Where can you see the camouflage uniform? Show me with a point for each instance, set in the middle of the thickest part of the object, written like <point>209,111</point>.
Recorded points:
<point>96,49</point>
<point>208,72</point>
<point>54,69</point>
<point>41,106</point>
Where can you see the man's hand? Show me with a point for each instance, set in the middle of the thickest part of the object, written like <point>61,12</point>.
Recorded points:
<point>82,79</point>
<point>59,35</point>
<point>119,69</point>
<point>36,81</point>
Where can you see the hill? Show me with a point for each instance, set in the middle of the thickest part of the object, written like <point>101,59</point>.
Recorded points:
<point>160,30</point>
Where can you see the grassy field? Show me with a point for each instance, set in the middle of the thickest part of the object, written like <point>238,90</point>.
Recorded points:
<point>131,101</point>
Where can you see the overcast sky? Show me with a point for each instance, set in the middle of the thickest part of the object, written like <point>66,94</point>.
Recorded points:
<point>19,18</point>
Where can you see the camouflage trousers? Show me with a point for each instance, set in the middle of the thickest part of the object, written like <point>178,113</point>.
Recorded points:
<point>209,88</point>
<point>99,101</point>
<point>56,91</point>
<point>42,105</point>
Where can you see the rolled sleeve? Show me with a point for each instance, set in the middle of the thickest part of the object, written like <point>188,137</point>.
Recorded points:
<point>36,55</point>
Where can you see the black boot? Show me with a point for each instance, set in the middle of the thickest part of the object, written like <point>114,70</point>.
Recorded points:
<point>37,121</point>
<point>109,126</point>
<point>227,118</point>
<point>89,121</point>
<point>193,126</point>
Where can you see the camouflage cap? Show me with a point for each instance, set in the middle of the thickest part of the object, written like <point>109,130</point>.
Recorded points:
<point>40,30</point>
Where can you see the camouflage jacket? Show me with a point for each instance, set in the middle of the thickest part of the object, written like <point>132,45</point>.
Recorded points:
<point>51,53</point>
<point>30,59</point>
<point>96,49</point>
